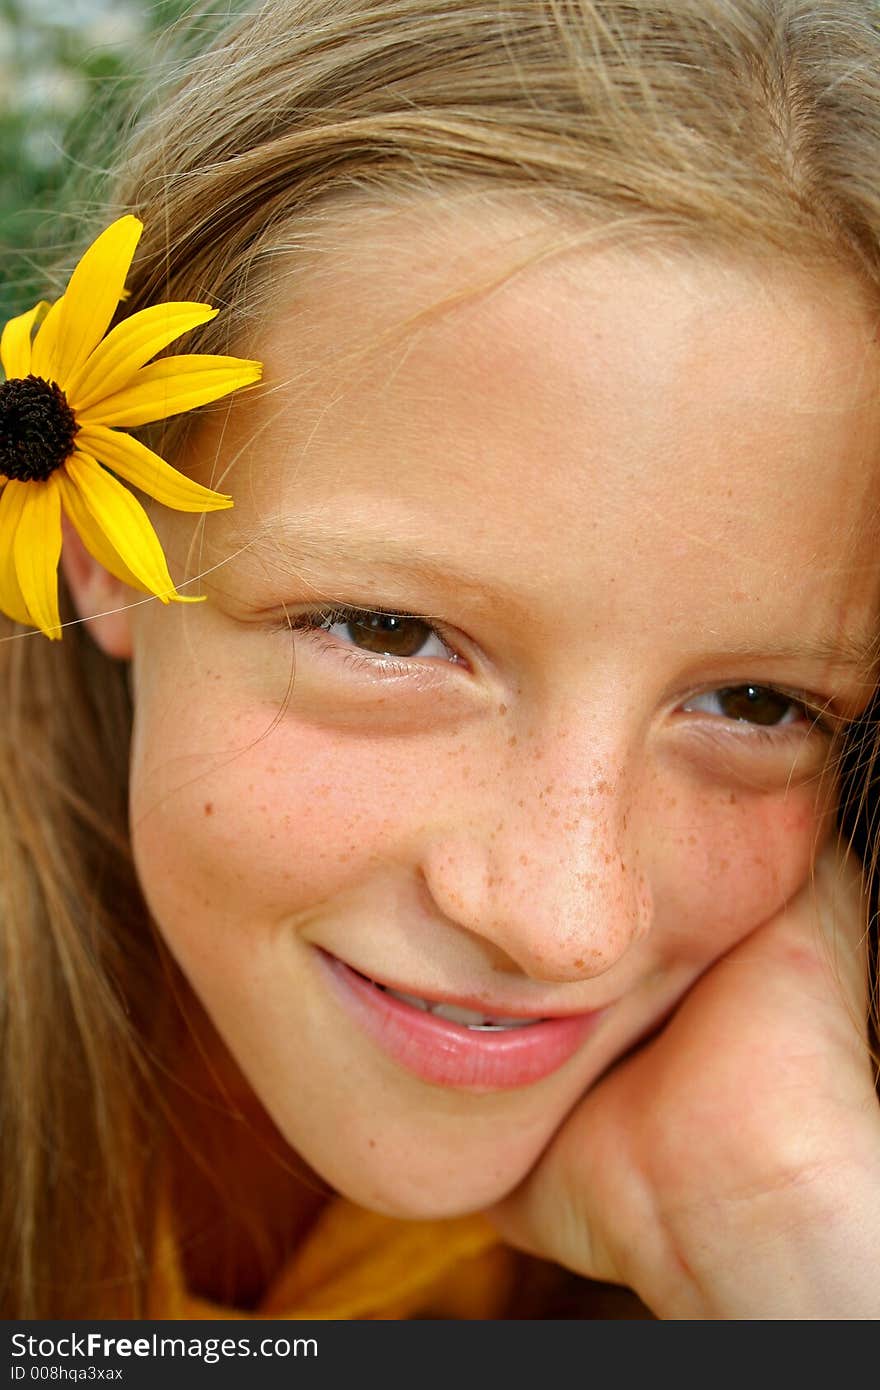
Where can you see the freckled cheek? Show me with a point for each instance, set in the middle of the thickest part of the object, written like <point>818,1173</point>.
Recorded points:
<point>726,865</point>
<point>290,820</point>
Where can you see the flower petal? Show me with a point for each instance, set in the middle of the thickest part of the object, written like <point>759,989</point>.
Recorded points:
<point>15,344</point>
<point>43,346</point>
<point>89,302</point>
<point>92,536</point>
<point>12,503</point>
<point>129,345</point>
<point>126,525</point>
<point>37,550</point>
<point>147,471</point>
<point>170,386</point>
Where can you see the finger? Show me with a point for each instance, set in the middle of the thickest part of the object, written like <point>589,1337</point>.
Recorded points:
<point>842,909</point>
<point>811,958</point>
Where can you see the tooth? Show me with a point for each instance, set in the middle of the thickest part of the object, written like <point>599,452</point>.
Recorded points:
<point>474,1020</point>
<point>469,1017</point>
<point>490,1026</point>
<point>457,1015</point>
<point>411,999</point>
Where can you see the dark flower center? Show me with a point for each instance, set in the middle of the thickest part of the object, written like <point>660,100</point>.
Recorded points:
<point>37,429</point>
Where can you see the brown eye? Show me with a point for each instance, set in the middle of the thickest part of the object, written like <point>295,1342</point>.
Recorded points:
<point>756,703</point>
<point>376,633</point>
<point>752,704</point>
<point>388,634</point>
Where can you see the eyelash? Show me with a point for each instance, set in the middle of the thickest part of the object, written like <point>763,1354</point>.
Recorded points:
<point>314,621</point>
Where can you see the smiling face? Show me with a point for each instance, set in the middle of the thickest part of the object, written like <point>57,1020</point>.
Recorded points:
<point>628,499</point>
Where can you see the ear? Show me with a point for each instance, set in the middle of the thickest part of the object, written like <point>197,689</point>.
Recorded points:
<point>97,595</point>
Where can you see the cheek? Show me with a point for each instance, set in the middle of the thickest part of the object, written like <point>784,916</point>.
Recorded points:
<point>725,862</point>
<point>261,826</point>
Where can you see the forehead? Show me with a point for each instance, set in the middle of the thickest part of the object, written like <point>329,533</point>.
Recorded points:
<point>462,383</point>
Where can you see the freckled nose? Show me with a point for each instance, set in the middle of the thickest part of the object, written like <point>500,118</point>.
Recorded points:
<point>553,881</point>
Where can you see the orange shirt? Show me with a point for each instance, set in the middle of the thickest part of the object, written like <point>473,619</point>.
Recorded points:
<point>356,1264</point>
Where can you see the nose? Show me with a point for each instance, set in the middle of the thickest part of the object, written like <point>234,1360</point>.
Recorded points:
<point>548,873</point>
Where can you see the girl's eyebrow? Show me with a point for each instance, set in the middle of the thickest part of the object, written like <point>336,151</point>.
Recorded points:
<point>304,542</point>
<point>857,653</point>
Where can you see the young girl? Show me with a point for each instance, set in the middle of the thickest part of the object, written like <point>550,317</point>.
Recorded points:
<point>448,916</point>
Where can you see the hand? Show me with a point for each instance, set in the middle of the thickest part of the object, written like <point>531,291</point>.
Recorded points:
<point>731,1167</point>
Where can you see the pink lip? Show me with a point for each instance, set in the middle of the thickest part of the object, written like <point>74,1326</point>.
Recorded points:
<point>450,1054</point>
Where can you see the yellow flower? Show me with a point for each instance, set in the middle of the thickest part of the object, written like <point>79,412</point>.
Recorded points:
<point>69,387</point>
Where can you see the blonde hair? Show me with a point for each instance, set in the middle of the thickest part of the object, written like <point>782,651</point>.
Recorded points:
<point>732,123</point>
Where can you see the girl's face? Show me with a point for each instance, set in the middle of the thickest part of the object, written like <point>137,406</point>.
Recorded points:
<point>618,508</point>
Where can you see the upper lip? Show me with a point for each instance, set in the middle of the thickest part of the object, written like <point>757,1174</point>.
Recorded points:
<point>479,1003</point>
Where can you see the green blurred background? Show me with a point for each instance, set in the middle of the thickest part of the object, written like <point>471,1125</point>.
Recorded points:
<point>68,71</point>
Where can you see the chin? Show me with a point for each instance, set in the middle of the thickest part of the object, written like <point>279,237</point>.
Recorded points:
<point>427,1206</point>
<point>419,1193</point>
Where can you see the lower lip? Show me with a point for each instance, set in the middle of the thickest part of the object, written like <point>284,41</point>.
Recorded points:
<point>450,1054</point>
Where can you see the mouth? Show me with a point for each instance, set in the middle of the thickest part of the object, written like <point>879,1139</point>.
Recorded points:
<point>447,1042</point>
